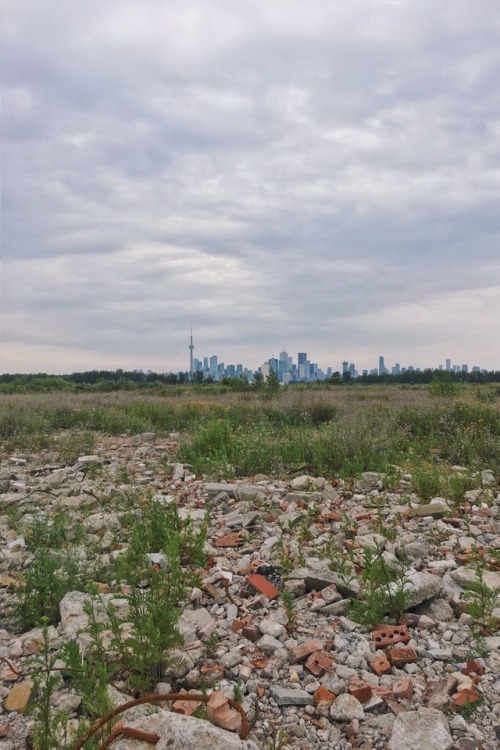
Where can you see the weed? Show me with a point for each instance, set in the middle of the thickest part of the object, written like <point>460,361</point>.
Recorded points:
<point>383,589</point>
<point>238,692</point>
<point>284,557</point>
<point>288,605</point>
<point>50,730</point>
<point>481,600</point>
<point>47,579</point>
<point>427,482</point>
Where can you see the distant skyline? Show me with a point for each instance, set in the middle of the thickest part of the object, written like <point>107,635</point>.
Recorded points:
<point>322,175</point>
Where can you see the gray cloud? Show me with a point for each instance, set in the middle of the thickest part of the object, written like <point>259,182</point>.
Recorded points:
<point>323,176</point>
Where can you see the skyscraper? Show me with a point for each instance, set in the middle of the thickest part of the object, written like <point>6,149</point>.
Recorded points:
<point>381,366</point>
<point>191,349</point>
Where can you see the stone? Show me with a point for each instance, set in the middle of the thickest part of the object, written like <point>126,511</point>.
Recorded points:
<point>346,708</point>
<point>291,697</point>
<point>73,617</point>
<point>178,732</point>
<point>463,576</point>
<point>18,697</point>
<point>420,587</point>
<point>215,488</point>
<point>434,509</point>
<point>416,550</point>
<point>268,644</point>
<point>426,728</point>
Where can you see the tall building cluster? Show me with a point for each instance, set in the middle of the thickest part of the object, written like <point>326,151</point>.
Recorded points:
<point>302,370</point>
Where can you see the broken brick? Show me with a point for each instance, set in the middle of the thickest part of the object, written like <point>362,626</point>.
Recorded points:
<point>466,697</point>
<point>304,649</point>
<point>473,667</point>
<point>322,694</point>
<point>383,692</point>
<point>221,714</point>
<point>387,635</point>
<point>380,665</point>
<point>251,633</point>
<point>318,662</point>
<point>185,707</point>
<point>360,689</point>
<point>401,656</point>
<point>230,540</point>
<point>263,586</point>
<point>403,688</point>
<point>239,623</point>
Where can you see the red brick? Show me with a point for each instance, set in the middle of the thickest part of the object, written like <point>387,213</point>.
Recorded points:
<point>465,697</point>
<point>251,633</point>
<point>239,623</point>
<point>260,663</point>
<point>380,665</point>
<point>403,688</point>
<point>187,708</point>
<point>318,662</point>
<point>473,667</point>
<point>401,656</point>
<point>221,714</point>
<point>4,730</point>
<point>263,586</point>
<point>304,649</point>
<point>390,634</point>
<point>229,540</point>
<point>322,694</point>
<point>360,689</point>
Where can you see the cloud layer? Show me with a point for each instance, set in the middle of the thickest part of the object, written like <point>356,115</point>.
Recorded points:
<point>321,175</point>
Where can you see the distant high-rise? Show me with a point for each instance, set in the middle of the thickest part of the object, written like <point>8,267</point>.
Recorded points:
<point>191,349</point>
<point>381,366</point>
<point>448,365</point>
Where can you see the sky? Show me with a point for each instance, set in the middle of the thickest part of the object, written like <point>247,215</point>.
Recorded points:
<point>322,176</point>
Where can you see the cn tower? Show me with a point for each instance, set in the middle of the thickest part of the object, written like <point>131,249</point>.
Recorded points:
<point>191,347</point>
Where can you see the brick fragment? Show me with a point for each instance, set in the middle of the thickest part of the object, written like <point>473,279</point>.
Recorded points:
<point>304,649</point>
<point>398,657</point>
<point>185,707</point>
<point>263,586</point>
<point>4,730</point>
<point>380,665</point>
<point>240,622</point>
<point>318,662</point>
<point>221,714</point>
<point>230,540</point>
<point>403,688</point>
<point>473,667</point>
<point>251,633</point>
<point>390,634</point>
<point>383,692</point>
<point>322,694</point>
<point>360,689</point>
<point>465,697</point>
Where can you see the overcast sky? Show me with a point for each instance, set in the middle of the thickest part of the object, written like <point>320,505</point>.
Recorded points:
<point>323,175</point>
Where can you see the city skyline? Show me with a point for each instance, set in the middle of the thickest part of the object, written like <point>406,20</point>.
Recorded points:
<point>323,175</point>
<point>306,369</point>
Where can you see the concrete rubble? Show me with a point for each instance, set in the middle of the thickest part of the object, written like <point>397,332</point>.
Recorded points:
<point>323,679</point>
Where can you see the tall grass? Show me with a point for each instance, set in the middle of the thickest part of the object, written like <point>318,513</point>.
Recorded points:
<point>337,430</point>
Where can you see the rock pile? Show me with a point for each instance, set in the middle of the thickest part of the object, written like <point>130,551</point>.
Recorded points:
<point>299,663</point>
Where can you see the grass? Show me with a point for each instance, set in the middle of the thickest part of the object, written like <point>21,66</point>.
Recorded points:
<point>322,431</point>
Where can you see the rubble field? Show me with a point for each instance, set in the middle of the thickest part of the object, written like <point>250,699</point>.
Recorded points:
<point>339,614</point>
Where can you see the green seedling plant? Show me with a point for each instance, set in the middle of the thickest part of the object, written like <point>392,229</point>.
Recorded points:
<point>383,591</point>
<point>288,605</point>
<point>480,601</point>
<point>340,561</point>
